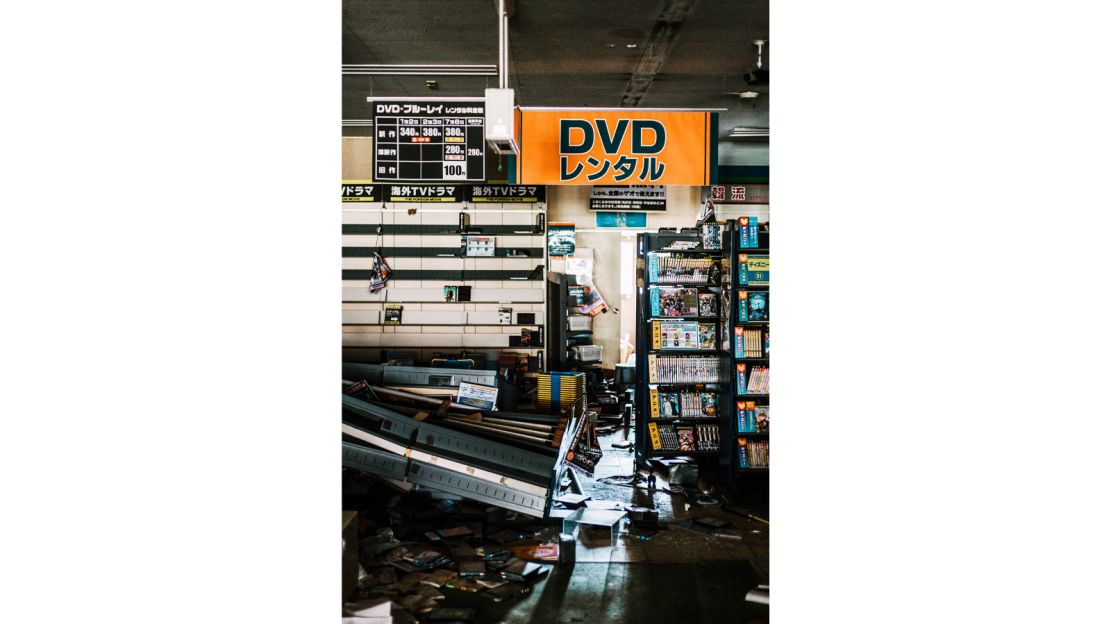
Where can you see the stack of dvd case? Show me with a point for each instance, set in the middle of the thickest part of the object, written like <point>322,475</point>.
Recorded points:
<point>683,404</point>
<point>753,453</point>
<point>683,369</point>
<point>679,269</point>
<point>558,391</point>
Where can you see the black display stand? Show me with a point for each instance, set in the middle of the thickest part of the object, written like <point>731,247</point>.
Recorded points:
<point>670,244</point>
<point>556,322</point>
<point>733,290</point>
<point>560,309</point>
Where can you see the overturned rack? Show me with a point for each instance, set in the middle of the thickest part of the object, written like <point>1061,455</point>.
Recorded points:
<point>383,441</point>
<point>545,430</point>
<point>431,381</point>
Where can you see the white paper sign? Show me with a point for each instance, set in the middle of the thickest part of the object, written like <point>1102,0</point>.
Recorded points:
<point>482,397</point>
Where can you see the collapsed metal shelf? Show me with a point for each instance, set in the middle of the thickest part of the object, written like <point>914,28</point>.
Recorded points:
<point>376,438</point>
<point>398,468</point>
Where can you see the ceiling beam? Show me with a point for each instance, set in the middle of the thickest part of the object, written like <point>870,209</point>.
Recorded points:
<point>657,47</point>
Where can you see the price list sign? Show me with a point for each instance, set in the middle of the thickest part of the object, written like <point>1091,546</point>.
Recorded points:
<point>430,140</point>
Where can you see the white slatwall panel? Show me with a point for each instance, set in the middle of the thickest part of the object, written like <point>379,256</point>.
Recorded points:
<point>427,321</point>
<point>511,293</point>
<point>429,317</point>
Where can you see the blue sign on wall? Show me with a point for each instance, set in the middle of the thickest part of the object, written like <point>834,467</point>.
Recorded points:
<point>620,219</point>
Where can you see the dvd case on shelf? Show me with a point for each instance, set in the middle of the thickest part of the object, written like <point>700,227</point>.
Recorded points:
<point>671,301</point>
<point>707,305</point>
<point>753,453</point>
<point>748,342</point>
<point>750,349</point>
<point>753,270</point>
<point>684,438</point>
<point>682,268</point>
<point>681,307</point>
<point>682,369</point>
<point>671,404</point>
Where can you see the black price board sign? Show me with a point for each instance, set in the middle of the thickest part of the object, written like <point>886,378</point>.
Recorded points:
<point>507,194</point>
<point>355,190</point>
<point>425,140</point>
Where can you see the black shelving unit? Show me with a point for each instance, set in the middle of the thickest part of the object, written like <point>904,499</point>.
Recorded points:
<point>651,351</point>
<point>557,353</point>
<point>560,308</point>
<point>734,289</point>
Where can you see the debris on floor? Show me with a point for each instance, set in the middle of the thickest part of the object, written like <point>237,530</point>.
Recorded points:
<point>572,501</point>
<point>741,512</point>
<point>417,550</point>
<point>711,522</point>
<point>761,595</point>
<point>424,553</point>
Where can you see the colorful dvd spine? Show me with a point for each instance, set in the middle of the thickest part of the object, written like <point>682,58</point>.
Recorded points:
<point>753,231</point>
<point>758,270</point>
<point>656,441</point>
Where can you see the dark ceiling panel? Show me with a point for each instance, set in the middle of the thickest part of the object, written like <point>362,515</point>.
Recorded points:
<point>563,52</point>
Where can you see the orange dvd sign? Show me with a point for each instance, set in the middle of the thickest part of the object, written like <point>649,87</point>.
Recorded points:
<point>609,147</point>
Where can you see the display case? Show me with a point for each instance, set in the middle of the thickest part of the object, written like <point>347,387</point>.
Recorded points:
<point>683,360</point>
<point>750,320</point>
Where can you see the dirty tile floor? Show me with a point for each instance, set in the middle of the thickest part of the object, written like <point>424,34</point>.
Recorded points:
<point>680,575</point>
<point>682,541</point>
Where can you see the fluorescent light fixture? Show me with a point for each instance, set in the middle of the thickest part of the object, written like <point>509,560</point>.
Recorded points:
<point>419,70</point>
<point>741,131</point>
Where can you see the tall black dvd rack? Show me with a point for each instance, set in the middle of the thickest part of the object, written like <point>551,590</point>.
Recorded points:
<point>683,358</point>
<point>571,331</point>
<point>750,320</point>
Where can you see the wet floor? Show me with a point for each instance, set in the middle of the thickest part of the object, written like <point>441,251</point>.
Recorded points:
<point>683,573</point>
<point>684,541</point>
<point>640,593</point>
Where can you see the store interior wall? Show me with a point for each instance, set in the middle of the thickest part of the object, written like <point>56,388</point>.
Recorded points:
<point>358,158</point>
<point>430,325</point>
<point>751,153</point>
<point>565,204</point>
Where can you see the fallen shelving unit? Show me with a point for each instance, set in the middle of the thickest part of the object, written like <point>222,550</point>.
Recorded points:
<point>385,442</point>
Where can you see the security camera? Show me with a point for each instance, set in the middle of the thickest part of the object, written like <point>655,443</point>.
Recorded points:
<point>758,77</point>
